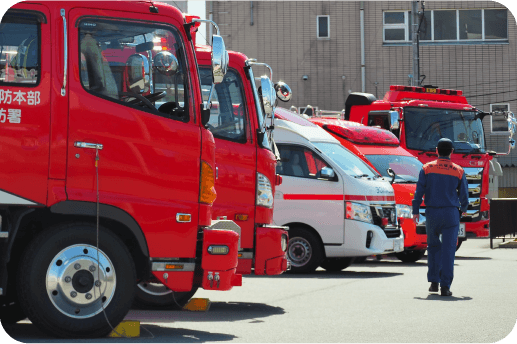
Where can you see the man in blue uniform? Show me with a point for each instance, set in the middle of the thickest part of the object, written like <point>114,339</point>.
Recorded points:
<point>446,196</point>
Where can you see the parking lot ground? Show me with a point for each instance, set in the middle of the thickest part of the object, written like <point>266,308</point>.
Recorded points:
<point>384,301</point>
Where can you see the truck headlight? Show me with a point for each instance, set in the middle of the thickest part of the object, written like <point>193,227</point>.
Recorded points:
<point>264,191</point>
<point>359,212</point>
<point>404,210</point>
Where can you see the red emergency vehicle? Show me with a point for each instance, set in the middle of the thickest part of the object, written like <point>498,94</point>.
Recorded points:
<point>420,116</point>
<point>108,169</point>
<point>245,175</point>
<point>381,150</point>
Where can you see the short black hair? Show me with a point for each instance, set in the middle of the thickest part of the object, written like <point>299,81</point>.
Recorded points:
<point>444,151</point>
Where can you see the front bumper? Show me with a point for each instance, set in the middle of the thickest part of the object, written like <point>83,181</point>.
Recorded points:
<point>479,228</point>
<point>268,257</point>
<point>412,239</point>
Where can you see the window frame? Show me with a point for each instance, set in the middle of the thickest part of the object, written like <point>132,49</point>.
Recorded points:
<point>407,28</point>
<point>302,148</point>
<point>247,125</point>
<point>318,26</point>
<point>39,20</point>
<point>314,110</point>
<point>161,25</point>
<point>502,132</point>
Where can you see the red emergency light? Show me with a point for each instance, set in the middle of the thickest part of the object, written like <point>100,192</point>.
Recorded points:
<point>363,135</point>
<point>432,90</point>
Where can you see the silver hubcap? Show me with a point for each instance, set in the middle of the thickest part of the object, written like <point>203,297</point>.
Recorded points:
<point>78,285</point>
<point>299,251</point>
<point>157,289</point>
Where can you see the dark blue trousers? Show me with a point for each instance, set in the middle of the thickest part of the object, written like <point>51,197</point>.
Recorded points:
<point>440,254</point>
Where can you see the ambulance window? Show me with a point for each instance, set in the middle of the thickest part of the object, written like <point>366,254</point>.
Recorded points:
<point>138,65</point>
<point>228,120</point>
<point>299,162</point>
<point>20,49</point>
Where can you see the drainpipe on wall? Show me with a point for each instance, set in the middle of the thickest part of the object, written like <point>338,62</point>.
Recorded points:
<point>251,14</point>
<point>363,66</point>
<point>210,27</point>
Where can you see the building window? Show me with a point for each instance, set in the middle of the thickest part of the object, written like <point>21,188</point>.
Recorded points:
<point>499,124</point>
<point>323,27</point>
<point>476,25</point>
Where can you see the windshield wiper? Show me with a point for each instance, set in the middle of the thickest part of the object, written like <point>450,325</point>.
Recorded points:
<point>361,176</point>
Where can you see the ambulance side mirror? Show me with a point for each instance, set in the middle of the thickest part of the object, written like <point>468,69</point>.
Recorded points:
<point>392,174</point>
<point>327,173</point>
<point>268,95</point>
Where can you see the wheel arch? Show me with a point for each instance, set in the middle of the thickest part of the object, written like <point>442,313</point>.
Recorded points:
<point>311,229</point>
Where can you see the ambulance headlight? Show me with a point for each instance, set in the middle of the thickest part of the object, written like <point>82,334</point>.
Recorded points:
<point>284,242</point>
<point>264,191</point>
<point>405,211</point>
<point>358,212</point>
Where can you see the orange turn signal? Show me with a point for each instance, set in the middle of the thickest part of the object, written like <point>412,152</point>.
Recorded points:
<point>173,266</point>
<point>207,192</point>
<point>241,217</point>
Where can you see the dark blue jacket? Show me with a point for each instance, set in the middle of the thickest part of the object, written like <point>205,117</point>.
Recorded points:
<point>444,185</point>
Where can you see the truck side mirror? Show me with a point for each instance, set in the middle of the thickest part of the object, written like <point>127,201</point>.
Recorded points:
<point>268,95</point>
<point>220,59</point>
<point>392,174</point>
<point>394,120</point>
<point>283,91</point>
<point>327,173</point>
<point>138,73</point>
<point>166,63</point>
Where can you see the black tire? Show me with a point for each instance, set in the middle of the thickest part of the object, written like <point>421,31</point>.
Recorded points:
<point>58,263</point>
<point>459,244</point>
<point>304,251</point>
<point>11,313</point>
<point>359,260</point>
<point>336,264</point>
<point>153,296</point>
<point>410,256</point>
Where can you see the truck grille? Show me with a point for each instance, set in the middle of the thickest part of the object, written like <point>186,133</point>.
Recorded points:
<point>474,176</point>
<point>389,212</point>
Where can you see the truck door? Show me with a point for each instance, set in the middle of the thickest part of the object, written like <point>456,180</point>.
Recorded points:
<point>25,84</point>
<point>235,154</point>
<point>149,164</point>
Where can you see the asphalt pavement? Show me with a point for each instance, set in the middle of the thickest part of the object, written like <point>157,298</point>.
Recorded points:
<point>384,301</point>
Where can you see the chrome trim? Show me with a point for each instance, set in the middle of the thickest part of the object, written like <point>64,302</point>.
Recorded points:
<point>4,235</point>
<point>474,188</point>
<point>79,144</point>
<point>65,46</point>
<point>182,214</point>
<point>253,62</point>
<point>475,173</point>
<point>160,266</point>
<point>1,291</point>
<point>246,255</point>
<point>285,228</point>
<point>207,21</point>
<point>474,202</point>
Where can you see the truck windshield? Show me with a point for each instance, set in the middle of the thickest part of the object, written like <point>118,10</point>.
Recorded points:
<point>406,168</point>
<point>424,127</point>
<point>350,163</point>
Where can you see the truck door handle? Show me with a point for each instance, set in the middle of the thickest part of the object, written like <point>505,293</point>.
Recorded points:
<point>88,145</point>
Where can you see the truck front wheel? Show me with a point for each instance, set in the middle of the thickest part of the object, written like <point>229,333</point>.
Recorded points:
<point>65,284</point>
<point>304,251</point>
<point>410,256</point>
<point>151,295</point>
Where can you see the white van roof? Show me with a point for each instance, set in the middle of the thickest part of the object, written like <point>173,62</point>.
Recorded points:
<point>290,127</point>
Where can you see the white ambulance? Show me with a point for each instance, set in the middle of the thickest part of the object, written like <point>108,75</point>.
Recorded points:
<point>335,205</point>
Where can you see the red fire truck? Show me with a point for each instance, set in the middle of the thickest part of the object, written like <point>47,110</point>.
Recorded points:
<point>108,168</point>
<point>245,174</point>
<point>420,116</point>
<point>381,150</point>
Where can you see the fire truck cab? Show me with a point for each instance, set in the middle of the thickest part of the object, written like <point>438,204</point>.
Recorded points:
<point>336,206</point>
<point>419,117</point>
<point>108,170</point>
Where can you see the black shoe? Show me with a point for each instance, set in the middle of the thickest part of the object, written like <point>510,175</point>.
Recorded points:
<point>434,287</point>
<point>446,292</point>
